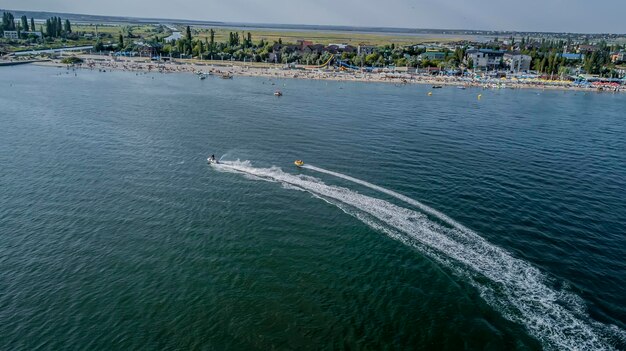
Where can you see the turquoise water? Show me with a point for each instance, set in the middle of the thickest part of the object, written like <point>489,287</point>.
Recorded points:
<point>420,222</point>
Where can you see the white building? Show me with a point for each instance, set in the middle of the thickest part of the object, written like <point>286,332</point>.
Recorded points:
<point>484,58</point>
<point>339,46</point>
<point>173,37</point>
<point>517,62</point>
<point>10,34</point>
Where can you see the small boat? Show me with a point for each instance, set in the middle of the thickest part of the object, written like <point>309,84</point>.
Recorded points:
<point>278,93</point>
<point>202,77</point>
<point>212,160</point>
<point>437,86</point>
<point>299,163</point>
<point>461,87</point>
<point>227,76</point>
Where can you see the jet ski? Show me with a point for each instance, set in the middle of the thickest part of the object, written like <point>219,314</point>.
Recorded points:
<point>299,163</point>
<point>212,160</point>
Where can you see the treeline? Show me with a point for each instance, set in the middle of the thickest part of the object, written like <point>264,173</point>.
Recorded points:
<point>54,27</point>
<point>241,47</point>
<point>9,23</point>
<point>238,46</point>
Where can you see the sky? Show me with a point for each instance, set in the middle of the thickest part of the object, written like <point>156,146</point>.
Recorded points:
<point>581,16</point>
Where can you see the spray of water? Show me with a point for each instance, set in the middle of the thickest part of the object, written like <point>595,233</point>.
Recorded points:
<point>521,292</point>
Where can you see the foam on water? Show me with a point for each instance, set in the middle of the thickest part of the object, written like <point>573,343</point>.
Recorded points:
<point>518,290</point>
<point>401,197</point>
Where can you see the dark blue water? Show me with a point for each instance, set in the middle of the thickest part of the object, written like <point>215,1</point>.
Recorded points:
<point>116,233</point>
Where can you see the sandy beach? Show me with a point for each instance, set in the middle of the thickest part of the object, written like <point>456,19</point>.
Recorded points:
<point>278,71</point>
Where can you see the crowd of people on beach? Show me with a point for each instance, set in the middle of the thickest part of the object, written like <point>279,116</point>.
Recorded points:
<point>229,70</point>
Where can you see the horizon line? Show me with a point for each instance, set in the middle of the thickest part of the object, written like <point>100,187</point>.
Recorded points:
<point>327,26</point>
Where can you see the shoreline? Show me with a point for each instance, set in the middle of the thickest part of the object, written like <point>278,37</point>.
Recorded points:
<point>275,71</point>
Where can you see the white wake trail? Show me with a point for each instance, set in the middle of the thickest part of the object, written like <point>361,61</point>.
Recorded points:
<point>392,193</point>
<point>514,287</point>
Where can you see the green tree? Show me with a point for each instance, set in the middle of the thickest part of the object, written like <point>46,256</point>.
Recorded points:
<point>544,65</point>
<point>233,39</point>
<point>8,21</point>
<point>24,20</point>
<point>247,41</point>
<point>120,42</point>
<point>49,28</point>
<point>68,26</point>
<point>371,58</point>
<point>32,24</point>
<point>188,34</point>
<point>58,27</point>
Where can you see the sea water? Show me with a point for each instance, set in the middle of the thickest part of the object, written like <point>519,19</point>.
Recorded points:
<point>418,222</point>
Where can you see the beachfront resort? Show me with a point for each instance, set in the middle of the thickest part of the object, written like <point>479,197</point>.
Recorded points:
<point>521,59</point>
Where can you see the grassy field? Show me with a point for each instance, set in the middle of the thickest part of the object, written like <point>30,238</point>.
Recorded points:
<point>115,29</point>
<point>54,45</point>
<point>321,37</point>
<point>221,35</point>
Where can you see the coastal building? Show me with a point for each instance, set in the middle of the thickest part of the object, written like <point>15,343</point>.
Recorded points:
<point>175,36</point>
<point>585,49</point>
<point>618,57</point>
<point>432,56</point>
<point>429,70</point>
<point>274,57</point>
<point>339,48</point>
<point>431,47</point>
<point>517,62</point>
<point>313,49</point>
<point>10,34</point>
<point>485,59</point>
<point>366,49</point>
<point>571,56</point>
<point>145,50</point>
<point>303,43</point>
